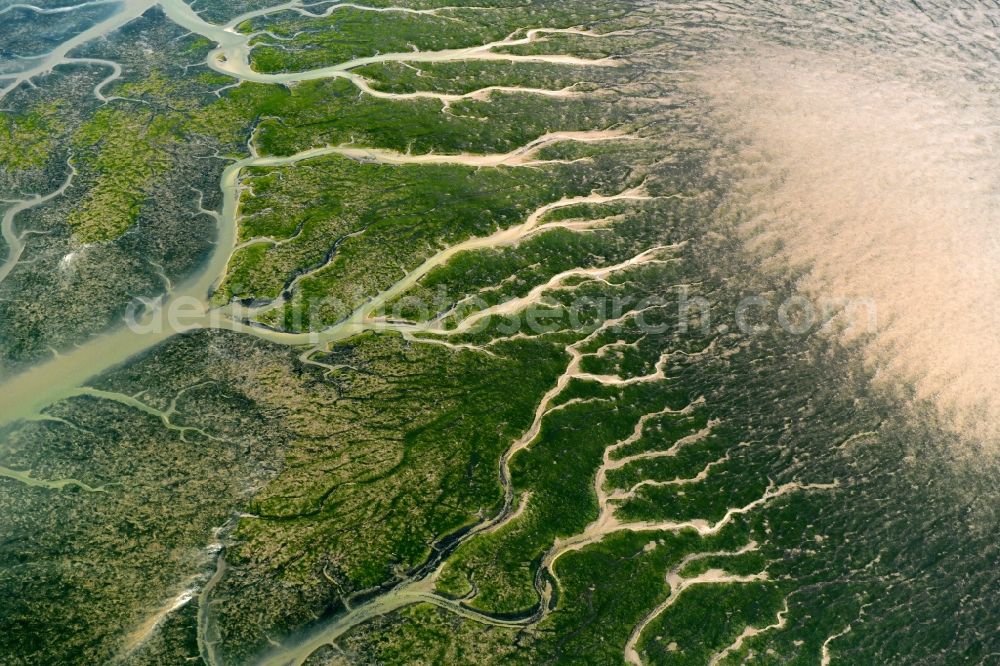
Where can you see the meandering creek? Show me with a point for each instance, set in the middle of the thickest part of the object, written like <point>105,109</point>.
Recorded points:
<point>25,394</point>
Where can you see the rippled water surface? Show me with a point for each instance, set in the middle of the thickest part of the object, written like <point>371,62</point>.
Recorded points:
<point>861,141</point>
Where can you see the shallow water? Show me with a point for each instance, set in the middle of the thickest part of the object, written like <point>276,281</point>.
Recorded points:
<point>862,144</point>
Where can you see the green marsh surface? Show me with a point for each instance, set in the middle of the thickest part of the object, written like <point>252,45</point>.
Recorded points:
<point>466,371</point>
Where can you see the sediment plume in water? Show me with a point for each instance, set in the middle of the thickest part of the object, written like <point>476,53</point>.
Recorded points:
<point>882,190</point>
